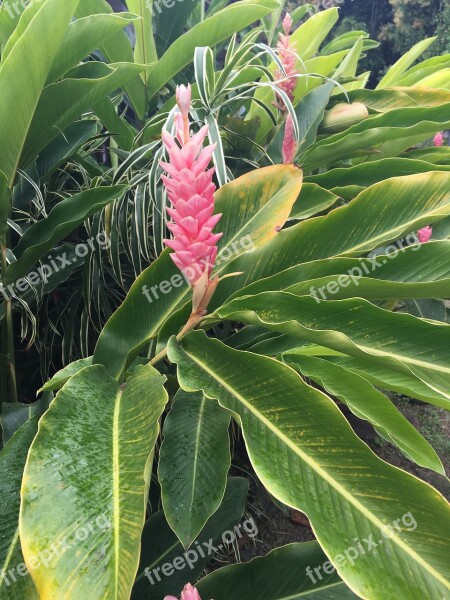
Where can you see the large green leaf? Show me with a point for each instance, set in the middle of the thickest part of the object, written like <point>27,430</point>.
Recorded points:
<point>83,37</point>
<point>307,456</point>
<point>381,101</point>
<point>23,74</point>
<point>383,213</point>
<point>383,377</point>
<point>162,549</point>
<point>368,403</point>
<point>145,49</point>
<point>210,32</point>
<point>356,327</point>
<point>379,135</point>
<point>404,273</point>
<point>309,36</point>
<point>407,60</point>
<point>66,100</point>
<point>368,174</point>
<point>117,50</point>
<point>61,221</point>
<point>90,463</point>
<point>252,206</point>
<point>193,464</point>
<point>15,581</point>
<point>292,572</point>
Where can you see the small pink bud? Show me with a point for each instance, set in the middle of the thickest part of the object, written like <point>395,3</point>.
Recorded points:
<point>287,24</point>
<point>184,97</point>
<point>189,593</point>
<point>425,234</point>
<point>439,139</point>
<point>289,143</point>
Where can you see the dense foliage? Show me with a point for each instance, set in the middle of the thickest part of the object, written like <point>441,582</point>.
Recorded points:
<point>318,240</point>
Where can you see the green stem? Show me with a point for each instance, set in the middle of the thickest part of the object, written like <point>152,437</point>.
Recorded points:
<point>9,335</point>
<point>194,320</point>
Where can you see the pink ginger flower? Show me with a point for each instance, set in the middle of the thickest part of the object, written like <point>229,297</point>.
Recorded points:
<point>425,234</point>
<point>289,142</point>
<point>288,58</point>
<point>189,593</point>
<point>439,139</point>
<point>190,189</point>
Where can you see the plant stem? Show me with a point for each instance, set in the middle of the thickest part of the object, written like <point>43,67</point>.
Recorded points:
<point>194,320</point>
<point>9,336</point>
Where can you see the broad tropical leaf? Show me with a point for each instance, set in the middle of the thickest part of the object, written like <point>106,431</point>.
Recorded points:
<point>193,464</point>
<point>102,474</point>
<point>15,581</point>
<point>368,403</point>
<point>294,433</point>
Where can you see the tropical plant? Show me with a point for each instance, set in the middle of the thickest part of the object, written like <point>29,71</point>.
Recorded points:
<point>118,482</point>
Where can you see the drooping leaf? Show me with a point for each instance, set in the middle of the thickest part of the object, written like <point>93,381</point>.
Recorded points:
<point>193,464</point>
<point>401,342</point>
<point>368,403</point>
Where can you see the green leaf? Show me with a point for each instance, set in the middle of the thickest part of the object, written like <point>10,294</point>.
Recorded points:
<point>66,100</point>
<point>382,101</point>
<point>162,549</point>
<point>63,376</point>
<point>368,403</point>
<point>308,38</point>
<point>194,462</point>
<point>292,572</point>
<point>23,74</point>
<point>62,220</point>
<point>381,214</point>
<point>368,174</point>
<point>170,21</point>
<point>381,376</point>
<point>313,199</point>
<point>83,37</point>
<point>356,327</point>
<point>252,208</point>
<point>405,273</point>
<point>395,72</point>
<point>14,415</point>
<point>210,32</point>
<point>117,50</point>
<point>15,581</point>
<point>384,134</point>
<point>307,456</point>
<point>95,479</point>
<point>145,49</point>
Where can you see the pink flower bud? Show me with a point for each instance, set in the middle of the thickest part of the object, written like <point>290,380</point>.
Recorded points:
<point>289,143</point>
<point>287,24</point>
<point>425,234</point>
<point>439,139</point>
<point>184,97</point>
<point>189,593</point>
